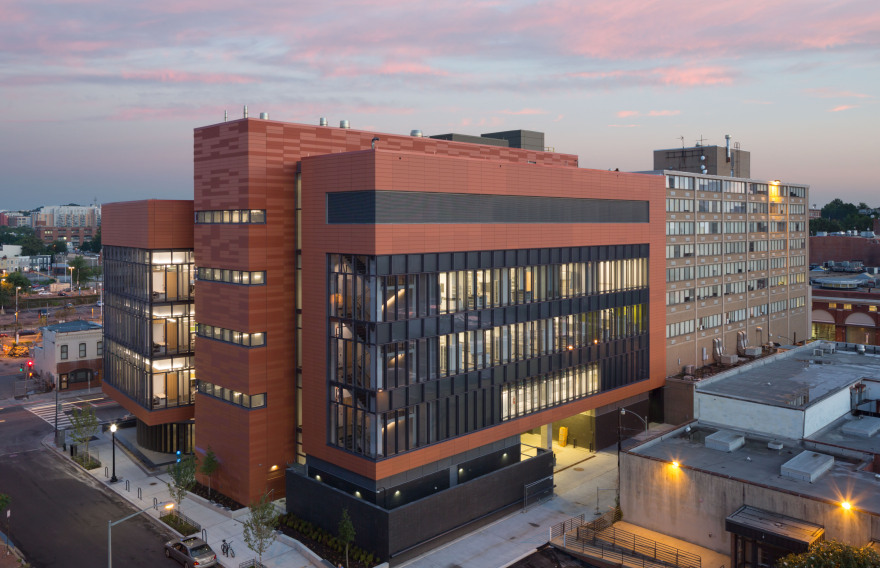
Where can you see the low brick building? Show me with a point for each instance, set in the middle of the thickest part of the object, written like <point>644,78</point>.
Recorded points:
<point>71,355</point>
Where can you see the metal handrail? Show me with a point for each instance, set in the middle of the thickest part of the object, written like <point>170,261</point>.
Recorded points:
<point>620,539</point>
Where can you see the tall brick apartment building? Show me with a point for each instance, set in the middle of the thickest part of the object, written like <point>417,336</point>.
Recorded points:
<point>381,316</point>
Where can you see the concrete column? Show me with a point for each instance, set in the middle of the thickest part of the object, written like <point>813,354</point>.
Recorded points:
<point>547,436</point>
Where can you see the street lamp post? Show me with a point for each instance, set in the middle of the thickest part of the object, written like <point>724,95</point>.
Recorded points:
<point>17,288</point>
<point>645,422</point>
<point>113,431</point>
<point>71,279</point>
<point>111,524</point>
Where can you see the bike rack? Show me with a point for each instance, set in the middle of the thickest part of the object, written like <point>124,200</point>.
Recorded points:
<point>106,471</point>
<point>205,535</point>
<point>127,485</point>
<point>140,494</point>
<point>155,503</point>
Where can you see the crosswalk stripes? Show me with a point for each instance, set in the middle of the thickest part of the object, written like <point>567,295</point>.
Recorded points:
<point>47,412</point>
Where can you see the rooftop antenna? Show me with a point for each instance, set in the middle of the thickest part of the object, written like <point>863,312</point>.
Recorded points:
<point>700,141</point>
<point>682,141</point>
<point>225,115</point>
<point>245,111</point>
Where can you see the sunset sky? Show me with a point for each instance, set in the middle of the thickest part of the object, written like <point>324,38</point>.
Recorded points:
<point>100,98</point>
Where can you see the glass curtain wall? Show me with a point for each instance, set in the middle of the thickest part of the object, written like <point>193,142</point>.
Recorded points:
<point>418,353</point>
<point>150,325</point>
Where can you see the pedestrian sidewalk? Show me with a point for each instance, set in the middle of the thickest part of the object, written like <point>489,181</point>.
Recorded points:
<point>142,488</point>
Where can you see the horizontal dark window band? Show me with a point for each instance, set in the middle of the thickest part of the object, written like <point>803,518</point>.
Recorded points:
<point>378,207</point>
<point>405,396</point>
<point>418,328</point>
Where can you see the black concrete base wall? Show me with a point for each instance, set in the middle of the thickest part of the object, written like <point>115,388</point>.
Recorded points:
<point>388,533</point>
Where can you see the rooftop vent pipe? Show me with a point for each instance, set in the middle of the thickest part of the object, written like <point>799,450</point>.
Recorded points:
<point>416,133</point>
<point>322,121</point>
<point>264,116</point>
<point>245,111</point>
<point>344,124</point>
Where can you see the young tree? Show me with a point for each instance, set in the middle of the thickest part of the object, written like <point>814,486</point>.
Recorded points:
<point>210,464</point>
<point>346,532</point>
<point>85,425</point>
<point>4,501</point>
<point>259,528</point>
<point>81,270</point>
<point>832,554</point>
<point>183,478</point>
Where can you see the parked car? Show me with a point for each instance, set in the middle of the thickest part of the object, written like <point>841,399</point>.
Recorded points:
<point>44,293</point>
<point>43,313</point>
<point>99,303</point>
<point>69,305</point>
<point>28,332</point>
<point>191,551</point>
<point>62,293</point>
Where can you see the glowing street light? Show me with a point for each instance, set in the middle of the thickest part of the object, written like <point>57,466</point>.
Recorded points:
<point>846,505</point>
<point>110,524</point>
<point>113,431</point>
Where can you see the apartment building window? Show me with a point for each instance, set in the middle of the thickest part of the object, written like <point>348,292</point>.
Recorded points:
<point>708,322</point>
<point>64,352</point>
<point>679,182</point>
<point>708,270</point>
<point>796,191</point>
<point>734,207</point>
<point>679,297</point>
<point>709,206</point>
<point>798,260</point>
<point>734,186</point>
<point>680,251</point>
<point>777,208</point>
<point>778,281</point>
<point>777,262</point>
<point>100,348</point>
<point>832,305</point>
<point>82,350</point>
<point>778,226</point>
<point>709,249</point>
<point>801,301</point>
<point>757,284</point>
<point>674,205</point>
<point>758,264</point>
<point>737,315</point>
<point>704,292</point>
<point>797,209</point>
<point>679,274</point>
<point>734,227</point>
<point>758,226</point>
<point>708,228</point>
<point>847,306</point>
<point>872,308</point>
<point>758,246</point>
<point>798,277</point>
<point>680,328</point>
<point>758,188</point>
<point>758,310</point>
<point>757,207</point>
<point>797,243</point>
<point>674,228</point>
<point>778,306</point>
<point>706,184</point>
<point>734,267</point>
<point>735,247</point>
<point>778,244</point>
<point>797,226</point>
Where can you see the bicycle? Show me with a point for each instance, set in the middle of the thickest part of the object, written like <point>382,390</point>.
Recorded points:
<point>226,548</point>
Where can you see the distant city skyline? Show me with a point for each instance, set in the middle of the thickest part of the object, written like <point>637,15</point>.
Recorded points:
<point>101,99</point>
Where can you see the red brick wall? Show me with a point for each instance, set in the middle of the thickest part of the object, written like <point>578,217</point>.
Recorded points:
<point>823,249</point>
<point>149,224</point>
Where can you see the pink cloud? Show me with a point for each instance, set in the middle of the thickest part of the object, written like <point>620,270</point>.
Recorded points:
<point>664,112</point>
<point>524,111</point>
<point>830,93</point>
<point>626,113</point>
<point>408,69</point>
<point>171,76</point>
<point>672,76</point>
<point>558,118</point>
<point>843,107</point>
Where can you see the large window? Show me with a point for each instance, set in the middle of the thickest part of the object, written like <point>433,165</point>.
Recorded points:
<point>450,322</point>
<point>64,352</point>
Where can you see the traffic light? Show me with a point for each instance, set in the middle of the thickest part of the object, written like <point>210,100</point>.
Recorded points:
<point>21,367</point>
<point>178,456</point>
<point>30,366</point>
